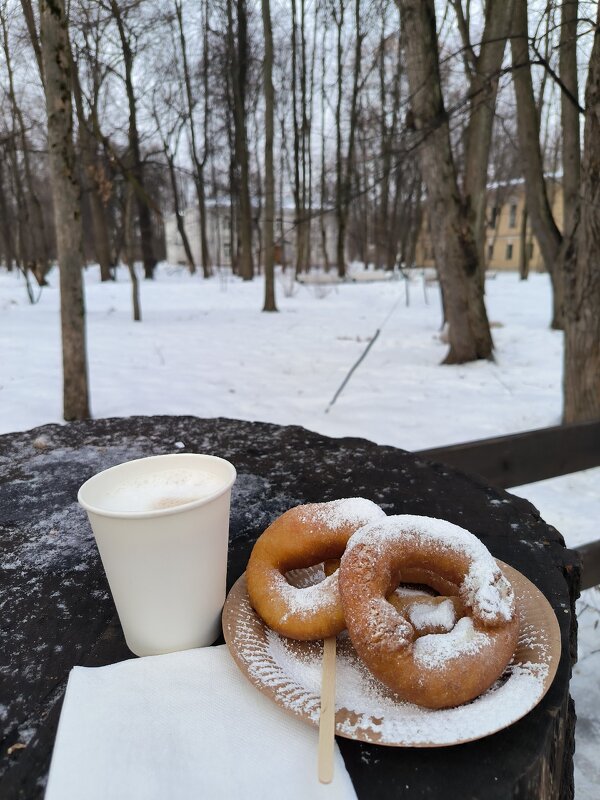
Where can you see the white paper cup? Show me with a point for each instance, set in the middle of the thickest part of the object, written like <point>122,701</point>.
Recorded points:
<point>162,528</point>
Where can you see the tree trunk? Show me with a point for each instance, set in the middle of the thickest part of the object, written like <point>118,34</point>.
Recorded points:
<point>33,35</point>
<point>130,255</point>
<point>239,62</point>
<point>269,171</point>
<point>339,175</point>
<point>23,245</point>
<point>67,210</point>
<point>101,231</point>
<point>386,234</point>
<point>298,222</point>
<point>6,222</point>
<point>323,181</point>
<point>571,150</point>
<point>88,147</point>
<point>581,381</point>
<point>178,213</point>
<point>345,192</point>
<point>36,233</point>
<point>528,130</point>
<point>207,262</point>
<point>483,90</point>
<point>304,228</point>
<point>524,248</point>
<point>415,220</point>
<point>197,161</point>
<point>137,165</point>
<point>454,245</point>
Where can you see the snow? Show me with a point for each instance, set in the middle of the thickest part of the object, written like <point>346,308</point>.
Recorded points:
<point>204,348</point>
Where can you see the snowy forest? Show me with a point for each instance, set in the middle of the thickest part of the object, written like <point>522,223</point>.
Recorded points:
<point>377,115</point>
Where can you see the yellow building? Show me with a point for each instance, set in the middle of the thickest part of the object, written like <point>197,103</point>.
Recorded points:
<point>509,237</point>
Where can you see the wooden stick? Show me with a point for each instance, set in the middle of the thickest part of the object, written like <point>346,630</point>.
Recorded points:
<point>327,718</point>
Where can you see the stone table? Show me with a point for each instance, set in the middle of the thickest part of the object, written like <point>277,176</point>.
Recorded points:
<point>56,610</point>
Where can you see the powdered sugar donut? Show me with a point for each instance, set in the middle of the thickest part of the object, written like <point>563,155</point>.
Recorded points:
<point>436,670</point>
<point>302,537</point>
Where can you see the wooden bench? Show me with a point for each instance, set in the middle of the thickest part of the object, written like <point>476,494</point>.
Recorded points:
<point>522,458</point>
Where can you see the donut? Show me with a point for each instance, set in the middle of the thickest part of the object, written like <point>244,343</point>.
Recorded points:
<point>404,598</point>
<point>400,645</point>
<point>302,537</point>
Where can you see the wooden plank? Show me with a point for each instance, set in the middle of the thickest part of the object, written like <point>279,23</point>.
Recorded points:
<point>590,559</point>
<point>526,457</point>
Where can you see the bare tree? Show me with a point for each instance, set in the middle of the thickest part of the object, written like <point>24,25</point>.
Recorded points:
<point>91,182</point>
<point>483,73</point>
<point>166,137</point>
<point>238,55</point>
<point>58,87</point>
<point>269,220</point>
<point>539,209</point>
<point>581,382</point>
<point>571,145</point>
<point>345,161</point>
<point>36,259</point>
<point>129,235</point>
<point>323,182</point>
<point>455,245</point>
<point>136,166</point>
<point>198,162</point>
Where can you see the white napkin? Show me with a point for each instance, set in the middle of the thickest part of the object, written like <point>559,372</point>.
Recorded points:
<point>178,726</point>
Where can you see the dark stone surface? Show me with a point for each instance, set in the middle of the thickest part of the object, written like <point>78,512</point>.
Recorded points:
<point>56,610</point>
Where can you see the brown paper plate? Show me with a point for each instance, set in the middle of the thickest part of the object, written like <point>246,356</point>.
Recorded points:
<point>289,672</point>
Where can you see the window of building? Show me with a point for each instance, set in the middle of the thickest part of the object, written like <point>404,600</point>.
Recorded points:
<point>490,252</point>
<point>226,249</point>
<point>495,213</point>
<point>509,252</point>
<point>530,250</point>
<point>512,222</point>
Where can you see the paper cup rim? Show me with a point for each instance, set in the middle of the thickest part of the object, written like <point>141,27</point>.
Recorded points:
<point>162,512</point>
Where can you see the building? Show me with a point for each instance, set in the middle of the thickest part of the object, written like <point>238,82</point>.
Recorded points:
<point>509,237</point>
<point>220,232</point>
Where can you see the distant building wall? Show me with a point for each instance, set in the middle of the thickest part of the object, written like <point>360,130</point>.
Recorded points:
<point>220,235</point>
<point>504,228</point>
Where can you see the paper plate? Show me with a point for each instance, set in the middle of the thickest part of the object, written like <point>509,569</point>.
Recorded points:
<point>289,672</point>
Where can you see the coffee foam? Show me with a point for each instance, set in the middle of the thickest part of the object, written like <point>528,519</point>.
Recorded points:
<point>160,490</point>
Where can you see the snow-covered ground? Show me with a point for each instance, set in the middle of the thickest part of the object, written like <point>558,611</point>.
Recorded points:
<point>205,348</point>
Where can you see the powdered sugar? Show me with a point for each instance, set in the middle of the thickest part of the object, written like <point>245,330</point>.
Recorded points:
<point>290,673</point>
<point>484,588</point>
<point>425,615</point>
<point>356,511</point>
<point>441,649</point>
<point>307,599</point>
<point>371,713</point>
